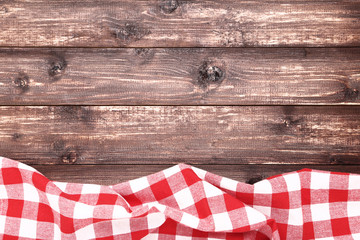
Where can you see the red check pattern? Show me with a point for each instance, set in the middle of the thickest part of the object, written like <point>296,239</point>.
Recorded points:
<point>181,202</point>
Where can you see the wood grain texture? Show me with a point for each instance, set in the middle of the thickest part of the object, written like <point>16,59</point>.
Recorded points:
<point>113,174</point>
<point>180,76</point>
<point>167,135</point>
<point>179,23</point>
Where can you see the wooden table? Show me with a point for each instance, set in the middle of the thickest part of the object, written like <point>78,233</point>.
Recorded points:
<point>107,91</point>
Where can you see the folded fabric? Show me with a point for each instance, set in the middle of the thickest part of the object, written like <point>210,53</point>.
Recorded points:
<point>181,202</point>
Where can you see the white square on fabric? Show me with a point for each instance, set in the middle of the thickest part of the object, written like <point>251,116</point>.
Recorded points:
<point>53,202</point>
<point>178,237</point>
<point>82,211</point>
<point>353,209</point>
<point>87,232</point>
<point>263,187</point>
<point>57,232</point>
<point>295,217</point>
<point>2,223</point>
<point>25,167</point>
<point>292,182</point>
<point>30,193</point>
<point>155,219</point>
<point>27,228</point>
<point>121,226</point>
<point>151,236</point>
<point>222,222</point>
<point>355,235</point>
<point>320,212</point>
<point>3,192</point>
<point>254,216</point>
<point>229,184</point>
<point>171,171</point>
<point>120,212</point>
<point>61,185</point>
<point>90,189</point>
<point>199,172</point>
<point>211,191</point>
<point>189,220</point>
<point>139,184</point>
<point>319,180</point>
<point>184,198</point>
<point>354,182</point>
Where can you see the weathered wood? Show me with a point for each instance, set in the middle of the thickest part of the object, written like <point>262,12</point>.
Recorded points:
<point>173,134</point>
<point>113,174</point>
<point>180,76</point>
<point>179,23</point>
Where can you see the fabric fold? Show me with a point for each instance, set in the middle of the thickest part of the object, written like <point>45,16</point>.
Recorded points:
<point>181,202</point>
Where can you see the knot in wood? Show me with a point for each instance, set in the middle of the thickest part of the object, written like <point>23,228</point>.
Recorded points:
<point>22,81</point>
<point>70,157</point>
<point>287,122</point>
<point>351,94</point>
<point>142,51</point>
<point>4,10</point>
<point>57,67</point>
<point>145,53</point>
<point>16,136</point>
<point>128,32</point>
<point>169,6</point>
<point>337,159</point>
<point>334,160</point>
<point>214,74</point>
<point>210,74</point>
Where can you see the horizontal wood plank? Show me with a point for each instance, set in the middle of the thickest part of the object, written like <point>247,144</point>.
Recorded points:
<point>181,76</point>
<point>113,174</point>
<point>179,23</point>
<point>173,134</point>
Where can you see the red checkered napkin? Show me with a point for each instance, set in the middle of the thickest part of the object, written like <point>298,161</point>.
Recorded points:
<point>181,202</point>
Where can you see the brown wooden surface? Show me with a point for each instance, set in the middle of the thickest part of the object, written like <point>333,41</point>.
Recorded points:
<point>179,23</point>
<point>169,134</point>
<point>181,76</point>
<point>107,91</point>
<point>113,174</point>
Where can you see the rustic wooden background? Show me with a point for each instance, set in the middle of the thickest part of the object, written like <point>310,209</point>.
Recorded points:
<point>107,91</point>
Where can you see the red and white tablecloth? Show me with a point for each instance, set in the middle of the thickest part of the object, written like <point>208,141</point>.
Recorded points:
<point>181,202</point>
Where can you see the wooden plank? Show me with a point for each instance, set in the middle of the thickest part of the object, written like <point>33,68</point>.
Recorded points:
<point>173,134</point>
<point>181,76</point>
<point>113,174</point>
<point>179,23</point>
